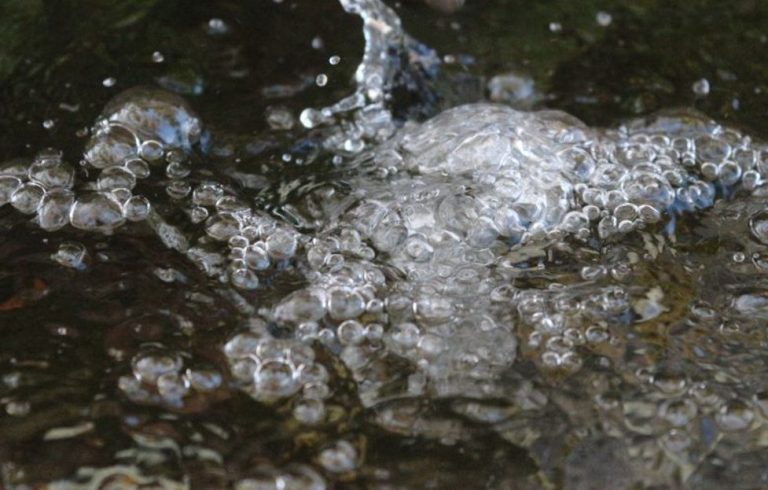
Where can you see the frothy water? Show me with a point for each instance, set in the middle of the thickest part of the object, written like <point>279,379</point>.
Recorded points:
<point>488,271</point>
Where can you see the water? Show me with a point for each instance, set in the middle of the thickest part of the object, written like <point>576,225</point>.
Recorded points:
<point>403,289</point>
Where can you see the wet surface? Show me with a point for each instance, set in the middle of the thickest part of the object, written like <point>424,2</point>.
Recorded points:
<point>198,291</point>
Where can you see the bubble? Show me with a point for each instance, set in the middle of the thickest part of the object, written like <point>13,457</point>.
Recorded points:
<point>151,150</point>
<point>758,225</point>
<point>701,87</point>
<point>669,383</point>
<point>154,114</point>
<point>597,334</point>
<point>172,386</point>
<point>734,416</point>
<point>54,210</point>
<point>96,212</point>
<point>198,214</point>
<point>351,332</point>
<point>222,226</point>
<point>603,18</point>
<point>178,189</point>
<point>306,305</point>
<point>431,345</point>
<point>418,248</point>
<point>217,27</point>
<point>70,254</point>
<point>138,167</point>
<point>109,82</point>
<point>244,279</point>
<point>321,80</point>
<point>339,458</point>
<point>157,57</point>
<point>309,412</point>
<point>281,245</point>
<point>678,413</point>
<point>116,178</point>
<point>203,380</point>
<point>150,366</point>
<point>275,379</point>
<point>514,88</point>
<point>111,146</point>
<point>280,118</point>
<point>345,303</point>
<point>207,194</point>
<point>27,197</point>
<point>50,172</point>
<point>17,408</point>
<point>8,186</point>
<point>136,208</point>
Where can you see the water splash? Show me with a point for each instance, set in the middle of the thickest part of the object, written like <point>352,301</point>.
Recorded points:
<point>390,55</point>
<point>488,267</point>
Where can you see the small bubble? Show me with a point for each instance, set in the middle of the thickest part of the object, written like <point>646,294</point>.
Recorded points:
<point>317,42</point>
<point>49,124</point>
<point>603,18</point>
<point>136,208</point>
<point>735,415</point>
<point>701,87</point>
<point>334,60</point>
<point>321,80</point>
<point>309,412</point>
<point>217,27</point>
<point>17,408</point>
<point>340,458</point>
<point>70,254</point>
<point>555,27</point>
<point>157,57</point>
<point>109,82</point>
<point>758,224</point>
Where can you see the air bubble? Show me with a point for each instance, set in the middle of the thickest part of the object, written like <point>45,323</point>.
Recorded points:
<point>309,412</point>
<point>96,212</point>
<point>734,416</point>
<point>70,254</point>
<point>701,87</point>
<point>8,186</point>
<point>54,210</point>
<point>136,208</point>
<point>340,458</point>
<point>281,245</point>
<point>603,19</point>
<point>115,178</point>
<point>27,197</point>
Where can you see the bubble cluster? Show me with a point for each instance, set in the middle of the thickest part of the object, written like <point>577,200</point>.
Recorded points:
<point>159,377</point>
<point>139,128</point>
<point>271,370</point>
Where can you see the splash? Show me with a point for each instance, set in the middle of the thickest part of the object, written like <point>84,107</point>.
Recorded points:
<point>390,59</point>
<point>468,265</point>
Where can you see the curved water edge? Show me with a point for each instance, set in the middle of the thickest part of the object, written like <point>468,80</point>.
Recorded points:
<point>488,271</point>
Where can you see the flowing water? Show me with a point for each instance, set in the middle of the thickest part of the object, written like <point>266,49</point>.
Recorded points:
<point>226,265</point>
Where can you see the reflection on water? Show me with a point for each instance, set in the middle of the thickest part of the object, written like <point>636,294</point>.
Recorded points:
<point>488,299</point>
